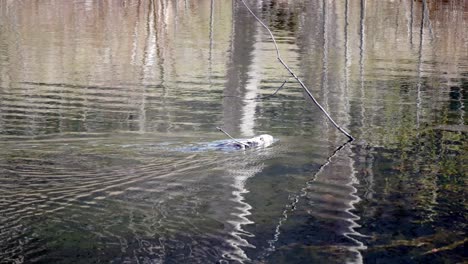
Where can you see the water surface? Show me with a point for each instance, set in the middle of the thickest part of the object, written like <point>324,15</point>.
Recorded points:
<point>108,108</point>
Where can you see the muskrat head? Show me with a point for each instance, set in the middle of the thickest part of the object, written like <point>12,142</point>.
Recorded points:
<point>264,140</point>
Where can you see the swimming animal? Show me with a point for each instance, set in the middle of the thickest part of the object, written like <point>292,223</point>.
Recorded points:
<point>233,144</point>
<point>261,141</point>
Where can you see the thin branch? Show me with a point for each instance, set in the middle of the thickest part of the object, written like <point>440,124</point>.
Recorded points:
<point>351,138</point>
<point>273,94</point>
<point>235,140</point>
<point>448,247</point>
<point>260,97</point>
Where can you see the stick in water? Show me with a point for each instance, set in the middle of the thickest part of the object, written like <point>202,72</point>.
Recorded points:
<point>295,76</point>
<point>260,97</point>
<point>235,140</point>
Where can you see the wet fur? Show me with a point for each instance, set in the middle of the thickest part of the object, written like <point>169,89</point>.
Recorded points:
<point>261,141</point>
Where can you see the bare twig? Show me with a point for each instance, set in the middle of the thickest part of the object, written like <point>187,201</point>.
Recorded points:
<point>448,247</point>
<point>260,97</point>
<point>351,138</point>
<point>235,140</point>
<point>273,94</point>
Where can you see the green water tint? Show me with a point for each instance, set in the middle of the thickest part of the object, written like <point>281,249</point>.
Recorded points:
<point>101,103</point>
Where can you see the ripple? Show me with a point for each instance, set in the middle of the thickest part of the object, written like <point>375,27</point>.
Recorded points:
<point>145,200</point>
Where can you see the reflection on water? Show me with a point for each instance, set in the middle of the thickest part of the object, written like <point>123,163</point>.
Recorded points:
<point>101,102</point>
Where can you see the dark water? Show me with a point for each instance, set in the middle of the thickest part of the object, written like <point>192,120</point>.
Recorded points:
<point>106,106</point>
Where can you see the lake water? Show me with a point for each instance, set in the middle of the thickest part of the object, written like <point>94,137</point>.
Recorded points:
<point>108,110</point>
